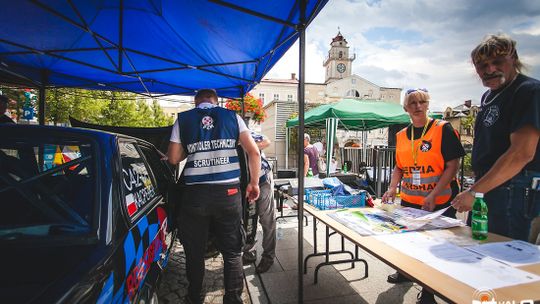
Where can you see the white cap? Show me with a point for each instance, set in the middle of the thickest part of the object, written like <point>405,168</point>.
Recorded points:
<point>479,195</point>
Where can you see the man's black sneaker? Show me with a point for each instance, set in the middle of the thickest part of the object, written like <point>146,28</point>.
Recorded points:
<point>397,278</point>
<point>264,265</point>
<point>425,297</point>
<point>249,257</point>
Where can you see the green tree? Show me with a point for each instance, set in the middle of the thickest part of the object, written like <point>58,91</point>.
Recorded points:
<point>160,119</point>
<point>467,167</point>
<point>467,124</point>
<point>144,115</point>
<point>119,111</point>
<point>103,107</point>
<point>93,106</point>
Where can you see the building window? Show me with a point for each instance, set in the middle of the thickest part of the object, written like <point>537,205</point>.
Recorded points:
<point>340,54</point>
<point>276,96</point>
<point>353,80</point>
<point>289,97</point>
<point>352,93</point>
<point>261,97</point>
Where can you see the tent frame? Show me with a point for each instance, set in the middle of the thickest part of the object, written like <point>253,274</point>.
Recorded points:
<point>106,46</point>
<point>137,76</point>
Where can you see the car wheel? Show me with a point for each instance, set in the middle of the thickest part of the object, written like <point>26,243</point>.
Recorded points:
<point>149,297</point>
<point>154,298</point>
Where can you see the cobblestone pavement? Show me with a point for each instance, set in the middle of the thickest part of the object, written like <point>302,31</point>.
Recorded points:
<point>173,286</point>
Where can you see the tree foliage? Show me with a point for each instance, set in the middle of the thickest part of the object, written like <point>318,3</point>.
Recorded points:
<point>467,124</point>
<point>104,108</point>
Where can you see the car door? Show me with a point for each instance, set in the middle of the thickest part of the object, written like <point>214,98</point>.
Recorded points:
<point>144,249</point>
<point>164,174</point>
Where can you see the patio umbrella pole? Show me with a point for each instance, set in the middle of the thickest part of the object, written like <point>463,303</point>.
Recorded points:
<point>41,113</point>
<point>301,106</point>
<point>331,129</point>
<point>242,103</point>
<point>288,134</point>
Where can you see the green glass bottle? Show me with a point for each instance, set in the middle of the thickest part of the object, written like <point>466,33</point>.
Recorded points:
<point>309,172</point>
<point>345,168</point>
<point>479,222</point>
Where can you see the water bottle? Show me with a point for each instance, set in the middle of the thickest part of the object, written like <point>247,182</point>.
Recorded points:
<point>479,222</point>
<point>345,168</point>
<point>279,233</point>
<point>309,172</point>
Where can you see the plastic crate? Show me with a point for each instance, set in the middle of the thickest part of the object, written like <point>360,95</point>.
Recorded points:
<point>313,195</point>
<point>324,200</point>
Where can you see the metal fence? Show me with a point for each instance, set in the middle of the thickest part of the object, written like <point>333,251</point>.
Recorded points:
<point>378,163</point>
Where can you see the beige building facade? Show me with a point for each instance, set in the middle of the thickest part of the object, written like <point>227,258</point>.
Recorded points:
<point>280,96</point>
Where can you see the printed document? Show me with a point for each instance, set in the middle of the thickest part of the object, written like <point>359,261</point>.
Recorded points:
<point>469,267</point>
<point>514,253</point>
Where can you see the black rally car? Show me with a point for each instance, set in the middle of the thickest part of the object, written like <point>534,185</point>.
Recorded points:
<point>83,216</point>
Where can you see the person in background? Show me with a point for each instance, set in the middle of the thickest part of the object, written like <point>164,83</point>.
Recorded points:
<point>337,155</point>
<point>505,157</point>
<point>208,136</point>
<point>534,235</point>
<point>311,156</point>
<point>265,211</point>
<point>427,160</point>
<point>4,101</point>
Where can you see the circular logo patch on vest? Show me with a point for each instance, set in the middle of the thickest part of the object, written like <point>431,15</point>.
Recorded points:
<point>207,123</point>
<point>425,146</point>
<point>491,116</point>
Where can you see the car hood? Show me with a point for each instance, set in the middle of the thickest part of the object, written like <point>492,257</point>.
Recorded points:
<point>42,273</point>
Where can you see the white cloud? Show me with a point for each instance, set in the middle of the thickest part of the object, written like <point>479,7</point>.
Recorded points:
<point>418,44</point>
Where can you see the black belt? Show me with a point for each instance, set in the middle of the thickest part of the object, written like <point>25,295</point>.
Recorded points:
<point>524,172</point>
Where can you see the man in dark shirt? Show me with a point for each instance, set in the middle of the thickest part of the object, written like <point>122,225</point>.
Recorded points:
<point>311,156</point>
<point>4,101</point>
<point>505,157</point>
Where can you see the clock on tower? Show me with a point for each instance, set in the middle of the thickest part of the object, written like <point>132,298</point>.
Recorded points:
<point>341,68</point>
<point>338,62</point>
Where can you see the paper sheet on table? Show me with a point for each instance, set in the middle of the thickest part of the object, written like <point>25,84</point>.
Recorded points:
<point>469,267</point>
<point>415,219</point>
<point>432,215</point>
<point>453,237</point>
<point>514,253</point>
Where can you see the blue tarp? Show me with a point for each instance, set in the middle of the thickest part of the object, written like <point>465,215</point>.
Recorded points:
<point>147,46</point>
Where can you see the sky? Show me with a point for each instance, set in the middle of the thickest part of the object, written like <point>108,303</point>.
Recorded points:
<point>418,44</point>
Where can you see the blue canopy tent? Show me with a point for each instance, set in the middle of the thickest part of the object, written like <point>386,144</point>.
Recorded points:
<point>154,48</point>
<point>150,47</point>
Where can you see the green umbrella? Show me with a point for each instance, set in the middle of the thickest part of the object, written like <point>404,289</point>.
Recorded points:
<point>359,115</point>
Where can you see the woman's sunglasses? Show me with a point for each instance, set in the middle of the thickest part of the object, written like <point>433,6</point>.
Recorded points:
<point>409,91</point>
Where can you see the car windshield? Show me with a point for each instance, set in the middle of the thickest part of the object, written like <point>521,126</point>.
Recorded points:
<point>47,187</point>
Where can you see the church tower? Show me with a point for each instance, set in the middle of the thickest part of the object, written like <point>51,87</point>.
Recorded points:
<point>338,64</point>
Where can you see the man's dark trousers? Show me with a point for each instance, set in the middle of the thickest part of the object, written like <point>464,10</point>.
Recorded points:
<point>219,206</point>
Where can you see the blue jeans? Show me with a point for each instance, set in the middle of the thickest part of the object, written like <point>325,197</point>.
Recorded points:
<point>513,205</point>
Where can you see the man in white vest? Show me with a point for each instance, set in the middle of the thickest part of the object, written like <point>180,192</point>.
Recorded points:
<point>207,136</point>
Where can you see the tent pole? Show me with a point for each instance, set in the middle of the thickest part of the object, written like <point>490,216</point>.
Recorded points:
<point>331,129</point>
<point>120,34</point>
<point>41,113</point>
<point>301,106</point>
<point>287,135</point>
<point>364,139</point>
<point>242,102</point>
